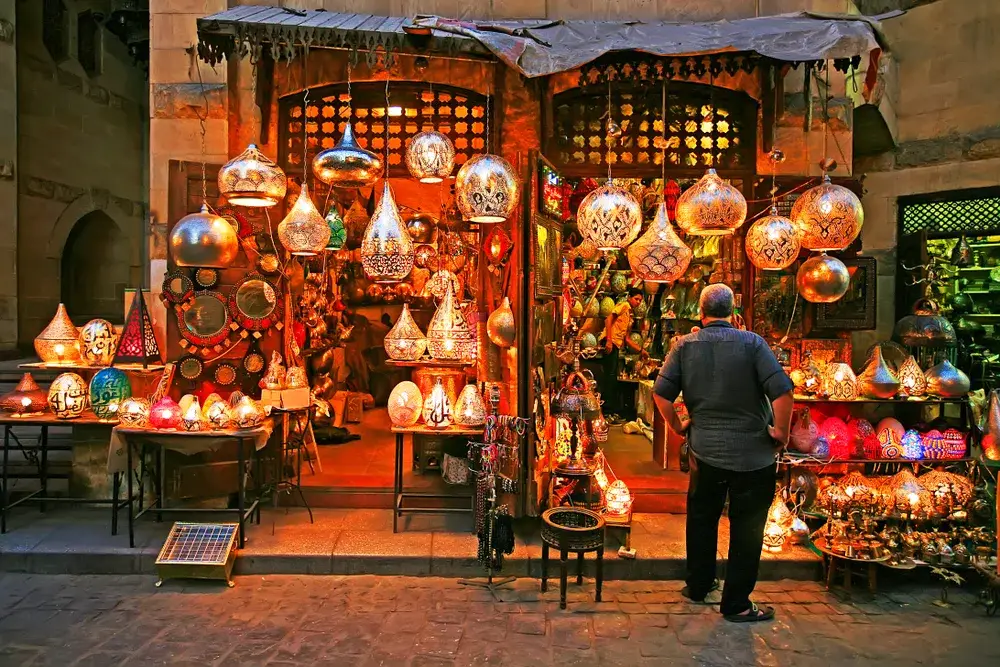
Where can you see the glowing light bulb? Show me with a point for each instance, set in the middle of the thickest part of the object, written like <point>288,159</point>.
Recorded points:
<point>914,500</point>
<point>25,402</point>
<point>838,376</point>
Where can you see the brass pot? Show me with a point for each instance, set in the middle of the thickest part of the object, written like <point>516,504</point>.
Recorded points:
<point>947,381</point>
<point>877,379</point>
<point>576,399</point>
<point>926,327</point>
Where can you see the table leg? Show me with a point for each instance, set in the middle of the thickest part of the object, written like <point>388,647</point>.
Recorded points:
<point>563,566</point>
<point>872,578</point>
<point>116,483</point>
<point>131,509</point>
<point>43,469</point>
<point>545,566</point>
<point>242,484</point>
<point>3,494</point>
<point>161,480</point>
<point>600,573</point>
<point>397,482</point>
<point>579,568</point>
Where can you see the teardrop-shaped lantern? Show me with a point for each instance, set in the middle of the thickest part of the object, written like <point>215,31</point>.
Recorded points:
<point>772,243</point>
<point>947,381</point>
<point>470,410</point>
<point>486,189</point>
<point>304,232</point>
<point>711,207</point>
<point>823,279</point>
<point>252,179</point>
<point>449,337</point>
<point>877,380</point>
<point>386,249</point>
<point>912,381</point>
<point>659,256</point>
<point>59,342</point>
<point>609,217</point>
<point>204,240</point>
<point>405,341</point>
<point>828,216</point>
<point>347,165</point>
<point>500,325</point>
<point>430,157</point>
<point>338,232</point>
<point>961,254</point>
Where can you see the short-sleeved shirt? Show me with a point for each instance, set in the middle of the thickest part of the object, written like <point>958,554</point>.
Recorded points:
<point>622,324</point>
<point>729,378</point>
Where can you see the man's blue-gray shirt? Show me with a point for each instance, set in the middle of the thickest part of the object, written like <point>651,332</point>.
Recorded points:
<point>729,378</point>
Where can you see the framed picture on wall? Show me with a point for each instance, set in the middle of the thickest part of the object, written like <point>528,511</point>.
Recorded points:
<point>856,309</point>
<point>826,350</point>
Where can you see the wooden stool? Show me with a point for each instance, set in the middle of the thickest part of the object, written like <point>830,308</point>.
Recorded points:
<point>577,530</point>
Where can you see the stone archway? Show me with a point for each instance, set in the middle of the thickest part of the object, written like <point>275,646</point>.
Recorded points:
<point>95,269</point>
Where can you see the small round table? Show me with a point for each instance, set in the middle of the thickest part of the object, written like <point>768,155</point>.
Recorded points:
<point>577,530</point>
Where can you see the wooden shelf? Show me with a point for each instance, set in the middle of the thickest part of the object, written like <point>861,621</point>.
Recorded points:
<point>977,268</point>
<point>989,244</point>
<point>888,401</point>
<point>48,419</point>
<point>421,429</point>
<point>430,363</point>
<point>807,460</point>
<point>128,368</point>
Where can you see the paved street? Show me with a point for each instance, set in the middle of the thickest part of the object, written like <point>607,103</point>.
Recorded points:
<point>102,621</point>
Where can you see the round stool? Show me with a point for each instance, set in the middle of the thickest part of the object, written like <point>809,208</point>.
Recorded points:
<point>577,530</point>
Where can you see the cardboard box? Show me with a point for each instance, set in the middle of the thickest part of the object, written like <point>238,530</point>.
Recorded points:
<point>355,408</point>
<point>286,399</point>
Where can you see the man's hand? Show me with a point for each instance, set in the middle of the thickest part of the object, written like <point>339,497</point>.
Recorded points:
<point>608,347</point>
<point>780,438</point>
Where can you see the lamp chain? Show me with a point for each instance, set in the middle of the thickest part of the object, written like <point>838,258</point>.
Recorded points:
<point>826,113</point>
<point>774,137</point>
<point>607,126</point>
<point>386,119</point>
<point>663,145</point>
<point>203,123</point>
<point>305,120</point>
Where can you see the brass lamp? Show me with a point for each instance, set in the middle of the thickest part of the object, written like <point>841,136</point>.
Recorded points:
<point>659,255</point>
<point>839,382</point>
<point>822,279</point>
<point>437,408</point>
<point>59,342</point>
<point>711,207</point>
<point>469,408</point>
<point>609,217</point>
<point>387,249</point>
<point>486,189</point>
<point>252,179</point>
<point>449,336</point>
<point>828,216</point>
<point>204,240</point>
<point>405,341</point>
<point>347,165</point>
<point>27,398</point>
<point>304,232</point>
<point>911,378</point>
<point>772,243</point>
<point>430,157</point>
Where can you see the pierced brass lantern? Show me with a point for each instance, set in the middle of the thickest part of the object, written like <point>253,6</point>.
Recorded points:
<point>772,243</point>
<point>59,342</point>
<point>822,279</point>
<point>405,341</point>
<point>252,179</point>
<point>204,240</point>
<point>430,157</point>
<point>828,216</point>
<point>609,217</point>
<point>711,207</point>
<point>304,232</point>
<point>347,165</point>
<point>659,256</point>
<point>387,249</point>
<point>486,189</point>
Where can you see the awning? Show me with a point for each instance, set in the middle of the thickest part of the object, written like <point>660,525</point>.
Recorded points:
<point>539,47</point>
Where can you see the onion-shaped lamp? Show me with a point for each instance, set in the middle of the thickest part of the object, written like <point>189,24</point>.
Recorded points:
<point>387,249</point>
<point>304,232</point>
<point>486,189</point>
<point>405,341</point>
<point>500,325</point>
<point>347,165</point>
<point>840,383</point>
<point>911,378</point>
<point>108,388</point>
<point>437,407</point>
<point>430,157</point>
<point>772,243</point>
<point>59,342</point>
<point>659,255</point>
<point>133,412</point>
<point>609,217</point>
<point>618,499</point>
<point>252,179</point>
<point>218,415</point>
<point>193,420</point>
<point>405,404</point>
<point>470,410</point>
<point>711,207</point>
<point>26,399</point>
<point>165,415</point>
<point>68,396</point>
<point>204,240</point>
<point>828,216</point>
<point>823,279</point>
<point>449,337</point>
<point>98,341</point>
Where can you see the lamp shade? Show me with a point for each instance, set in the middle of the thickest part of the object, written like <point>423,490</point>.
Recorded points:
<point>68,396</point>
<point>911,378</point>
<point>347,165</point>
<point>486,189</point>
<point>822,279</point>
<point>165,414</point>
<point>430,157</point>
<point>437,407</point>
<point>659,255</point>
<point>386,249</point>
<point>205,240</point>
<point>711,207</point>
<point>133,412</point>
<point>27,398</point>
<point>405,341</point>
<point>618,499</point>
<point>98,340</point>
<point>247,413</point>
<point>338,233</point>
<point>304,232</point>
<point>108,388</point>
<point>59,341</point>
<point>137,343</point>
<point>772,243</point>
<point>449,336</point>
<point>252,179</point>
<point>840,383</point>
<point>609,217</point>
<point>405,404</point>
<point>470,410</point>
<point>828,217</point>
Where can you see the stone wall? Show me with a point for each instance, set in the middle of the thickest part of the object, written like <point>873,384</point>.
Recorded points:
<point>8,175</point>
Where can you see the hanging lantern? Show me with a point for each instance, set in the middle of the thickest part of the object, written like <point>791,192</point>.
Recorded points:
<point>911,379</point>
<point>133,412</point>
<point>304,232</point>
<point>387,249</point>
<point>204,240</point>
<point>828,217</point>
<point>772,243</point>
<point>405,404</point>
<point>98,340</point>
<point>247,413</point>
<point>946,381</point>
<point>658,256</point>
<point>486,189</point>
<point>68,396</point>
<point>437,407</point>
<point>26,399</point>
<point>108,388</point>
<point>59,342</point>
<point>338,233</point>
<point>420,226</point>
<point>470,410</point>
<point>823,279</point>
<point>347,165</point>
<point>711,207</point>
<point>618,499</point>
<point>500,325</point>
<point>926,327</point>
<point>609,217</point>
<point>497,245</point>
<point>430,157</point>
<point>218,415</point>
<point>449,336</point>
<point>405,341</point>
<point>877,380</point>
<point>252,179</point>
<point>165,415</point>
<point>839,382</point>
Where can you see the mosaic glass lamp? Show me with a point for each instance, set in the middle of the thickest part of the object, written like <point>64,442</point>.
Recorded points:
<point>68,396</point>
<point>133,412</point>
<point>338,232</point>
<point>204,240</point>
<point>26,399</point>
<point>486,189</point>
<point>449,337</point>
<point>387,249</point>
<point>247,413</point>
<point>470,410</point>
<point>347,164</point>
<point>405,341</point>
<point>828,217</point>
<point>711,207</point>
<point>437,407</point>
<point>430,157</point>
<point>59,342</point>
<point>165,415</point>
<point>840,383</point>
<point>912,381</point>
<point>405,404</point>
<point>659,255</point>
<point>98,341</point>
<point>609,217</point>
<point>108,388</point>
<point>772,243</point>
<point>252,179</point>
<point>905,494</point>
<point>304,232</point>
<point>889,433</point>
<point>218,415</point>
<point>912,445</point>
<point>618,499</point>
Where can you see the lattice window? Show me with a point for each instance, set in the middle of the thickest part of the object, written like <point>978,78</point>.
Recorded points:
<point>55,29</point>
<point>88,43</point>
<point>696,137</point>
<point>954,215</point>
<point>413,108</point>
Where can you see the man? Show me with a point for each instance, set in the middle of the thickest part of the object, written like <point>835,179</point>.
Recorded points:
<point>616,331</point>
<point>732,385</point>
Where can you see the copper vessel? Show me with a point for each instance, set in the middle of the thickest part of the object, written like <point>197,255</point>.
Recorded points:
<point>204,240</point>
<point>500,325</point>
<point>946,381</point>
<point>576,398</point>
<point>878,380</point>
<point>925,327</point>
<point>822,279</point>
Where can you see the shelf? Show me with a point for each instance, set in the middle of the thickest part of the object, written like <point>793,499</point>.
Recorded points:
<point>88,418</point>
<point>892,401</point>
<point>977,268</point>
<point>430,363</point>
<point>980,291</point>
<point>990,244</point>
<point>794,460</point>
<point>128,368</point>
<point>982,315</point>
<point>451,430</point>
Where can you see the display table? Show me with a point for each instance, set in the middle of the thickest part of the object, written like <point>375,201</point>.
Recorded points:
<point>121,459</point>
<point>39,456</point>
<point>644,406</point>
<point>400,495</point>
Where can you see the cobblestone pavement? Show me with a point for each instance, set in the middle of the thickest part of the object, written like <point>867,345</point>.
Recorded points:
<point>423,622</point>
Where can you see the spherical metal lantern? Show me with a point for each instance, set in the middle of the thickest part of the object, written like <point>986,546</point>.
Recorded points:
<point>430,157</point>
<point>68,396</point>
<point>421,227</point>
<point>347,165</point>
<point>98,340</point>
<point>659,256</point>
<point>470,409</point>
<point>822,279</point>
<point>711,207</point>
<point>609,217</point>
<point>424,256</point>
<point>405,404</point>
<point>204,240</point>
<point>386,249</point>
<point>486,189</point>
<point>828,217</point>
<point>772,243</point>
<point>108,388</point>
<point>252,179</point>
<point>304,232</point>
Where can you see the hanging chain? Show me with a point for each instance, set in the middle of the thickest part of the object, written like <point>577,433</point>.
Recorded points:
<point>305,120</point>
<point>713,117</point>
<point>489,96</point>
<point>774,136</point>
<point>826,115</point>
<point>203,123</point>
<point>607,130</point>
<point>253,96</point>
<point>663,146</point>
<point>387,127</point>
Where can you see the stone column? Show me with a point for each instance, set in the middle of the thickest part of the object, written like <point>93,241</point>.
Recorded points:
<point>8,177</point>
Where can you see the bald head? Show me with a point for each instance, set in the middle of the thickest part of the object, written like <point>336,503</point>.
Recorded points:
<point>716,302</point>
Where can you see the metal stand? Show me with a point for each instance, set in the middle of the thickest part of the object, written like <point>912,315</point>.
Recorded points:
<point>295,434</point>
